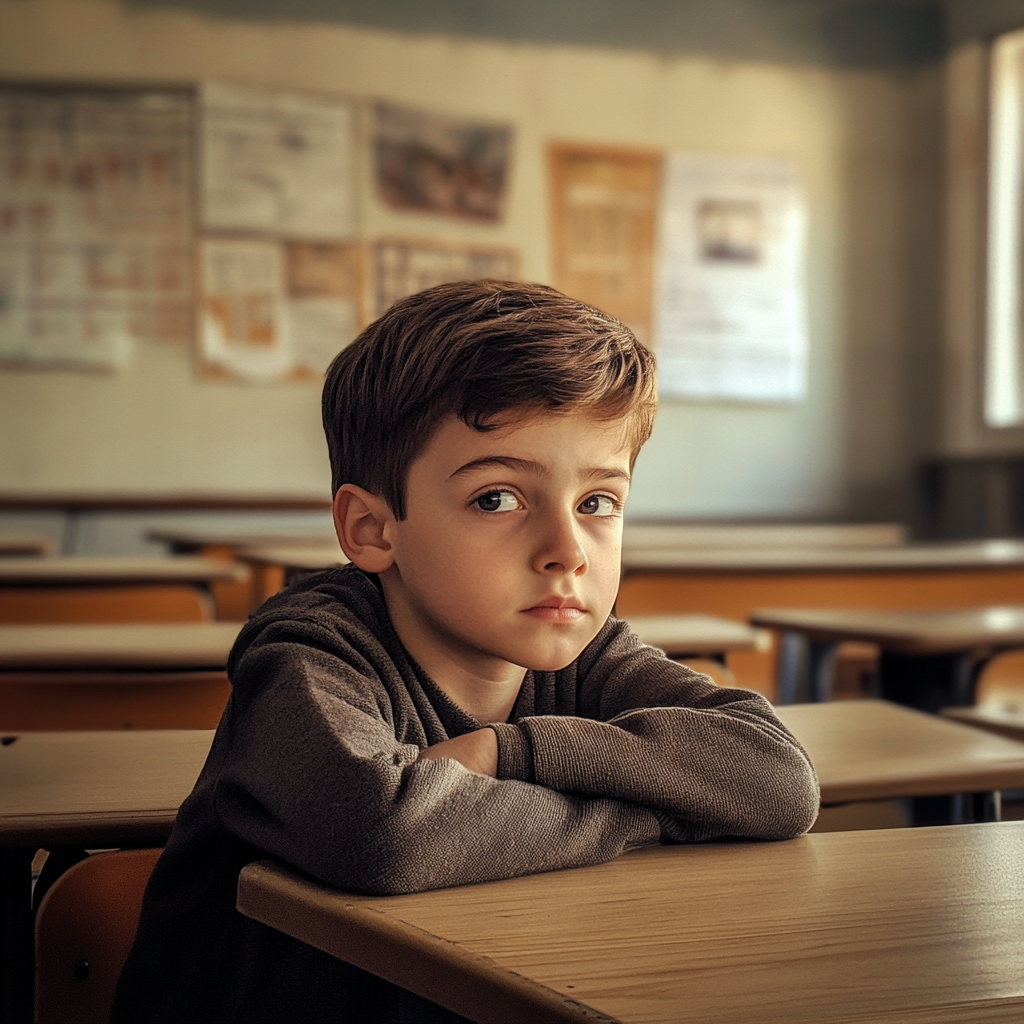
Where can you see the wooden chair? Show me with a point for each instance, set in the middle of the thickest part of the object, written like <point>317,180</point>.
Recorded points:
<point>85,928</point>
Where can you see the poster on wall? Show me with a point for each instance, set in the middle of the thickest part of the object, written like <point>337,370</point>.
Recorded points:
<point>604,211</point>
<point>275,310</point>
<point>429,163</point>
<point>730,318</point>
<point>95,223</point>
<point>276,162</point>
<point>402,267</point>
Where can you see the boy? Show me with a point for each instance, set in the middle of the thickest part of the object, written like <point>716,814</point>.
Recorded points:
<point>457,705</point>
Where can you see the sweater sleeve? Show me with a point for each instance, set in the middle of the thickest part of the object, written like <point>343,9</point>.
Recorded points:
<point>315,776</point>
<point>709,761</point>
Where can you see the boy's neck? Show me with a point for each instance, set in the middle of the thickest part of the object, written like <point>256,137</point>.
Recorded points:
<point>485,688</point>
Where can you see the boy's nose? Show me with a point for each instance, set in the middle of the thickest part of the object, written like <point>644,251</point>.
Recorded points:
<point>561,550</point>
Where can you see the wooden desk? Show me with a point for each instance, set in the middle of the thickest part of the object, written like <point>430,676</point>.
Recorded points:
<point>274,566</point>
<point>902,925</point>
<point>86,589</point>
<point>25,544</point>
<point>704,635</point>
<point>732,582</point>
<point>84,789</point>
<point>874,750</point>
<point>204,541</point>
<point>930,659</point>
<point>1002,721</point>
<point>111,677</point>
<point>761,535</point>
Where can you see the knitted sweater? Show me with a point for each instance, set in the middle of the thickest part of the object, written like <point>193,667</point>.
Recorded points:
<point>316,763</point>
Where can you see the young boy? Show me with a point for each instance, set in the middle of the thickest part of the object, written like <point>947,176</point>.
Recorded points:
<point>457,705</point>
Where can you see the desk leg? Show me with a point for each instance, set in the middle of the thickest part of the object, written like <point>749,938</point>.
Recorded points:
<point>930,682</point>
<point>16,939</point>
<point>804,669</point>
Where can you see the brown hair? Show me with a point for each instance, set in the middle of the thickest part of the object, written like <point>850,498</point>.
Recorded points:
<point>475,349</point>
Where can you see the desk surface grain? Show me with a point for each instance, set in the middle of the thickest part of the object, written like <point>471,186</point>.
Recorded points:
<point>900,925</point>
<point>96,788</point>
<point>160,646</point>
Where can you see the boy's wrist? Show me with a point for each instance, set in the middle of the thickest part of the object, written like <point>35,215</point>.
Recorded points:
<point>515,754</point>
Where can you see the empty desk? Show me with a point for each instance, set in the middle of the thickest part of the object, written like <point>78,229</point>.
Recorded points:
<point>274,566</point>
<point>930,659</point>
<point>895,925</point>
<point>88,789</point>
<point>86,589</point>
<point>733,581</point>
<point>168,675</point>
<point>1003,721</point>
<point>12,544</point>
<point>761,535</point>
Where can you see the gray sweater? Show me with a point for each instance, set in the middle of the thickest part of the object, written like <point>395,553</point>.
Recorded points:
<point>316,763</point>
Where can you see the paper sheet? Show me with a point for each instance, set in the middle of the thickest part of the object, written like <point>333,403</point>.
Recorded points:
<point>95,223</point>
<point>403,268</point>
<point>276,162</point>
<point>730,317</point>
<point>604,214</point>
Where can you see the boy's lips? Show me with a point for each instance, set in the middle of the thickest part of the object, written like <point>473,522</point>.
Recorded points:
<point>557,609</point>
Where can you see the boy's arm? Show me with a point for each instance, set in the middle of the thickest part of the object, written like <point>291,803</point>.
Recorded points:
<point>313,775</point>
<point>709,761</point>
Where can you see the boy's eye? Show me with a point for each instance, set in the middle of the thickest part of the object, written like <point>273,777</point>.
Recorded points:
<point>497,501</point>
<point>598,505</point>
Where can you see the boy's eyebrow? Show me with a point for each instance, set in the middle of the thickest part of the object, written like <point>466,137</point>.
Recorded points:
<point>536,468</point>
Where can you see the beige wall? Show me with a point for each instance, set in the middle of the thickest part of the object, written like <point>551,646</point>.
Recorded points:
<point>869,146</point>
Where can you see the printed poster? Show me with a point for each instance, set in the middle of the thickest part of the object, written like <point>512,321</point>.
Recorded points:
<point>430,163</point>
<point>276,162</point>
<point>730,320</point>
<point>402,267</point>
<point>95,224</point>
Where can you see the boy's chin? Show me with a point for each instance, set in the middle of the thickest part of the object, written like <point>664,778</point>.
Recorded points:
<point>553,662</point>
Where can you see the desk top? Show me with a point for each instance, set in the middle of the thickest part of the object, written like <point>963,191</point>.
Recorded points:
<point>1003,721</point>
<point>874,750</point>
<point>760,535</point>
<point>926,632</point>
<point>311,557</point>
<point>897,925</point>
<point>26,544</point>
<point>194,539</point>
<point>990,554</point>
<point>96,788</point>
<point>693,634</point>
<point>79,570</point>
<point>162,647</point>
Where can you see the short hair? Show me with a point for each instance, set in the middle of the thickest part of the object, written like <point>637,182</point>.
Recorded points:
<point>475,349</point>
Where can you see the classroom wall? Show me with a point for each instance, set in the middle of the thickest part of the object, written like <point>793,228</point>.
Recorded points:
<point>869,143</point>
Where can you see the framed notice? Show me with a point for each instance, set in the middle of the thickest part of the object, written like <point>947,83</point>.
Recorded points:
<point>95,223</point>
<point>604,213</point>
<point>730,311</point>
<point>403,267</point>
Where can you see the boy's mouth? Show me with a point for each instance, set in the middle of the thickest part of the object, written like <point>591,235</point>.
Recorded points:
<point>557,609</point>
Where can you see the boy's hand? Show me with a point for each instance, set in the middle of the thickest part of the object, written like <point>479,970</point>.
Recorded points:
<point>477,751</point>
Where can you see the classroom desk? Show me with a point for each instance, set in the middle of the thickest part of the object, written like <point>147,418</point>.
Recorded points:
<point>1003,721</point>
<point>760,535</point>
<point>25,544</point>
<point>169,675</point>
<point>274,566</point>
<point>732,582</point>
<point>88,789</point>
<point>706,636</point>
<point>131,588</point>
<point>874,750</point>
<point>901,925</point>
<point>929,660</point>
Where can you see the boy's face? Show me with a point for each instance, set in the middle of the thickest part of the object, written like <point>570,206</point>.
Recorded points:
<point>509,552</point>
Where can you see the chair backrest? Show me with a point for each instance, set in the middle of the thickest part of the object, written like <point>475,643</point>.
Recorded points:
<point>85,928</point>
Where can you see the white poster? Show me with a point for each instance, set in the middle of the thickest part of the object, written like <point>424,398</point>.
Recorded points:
<point>276,162</point>
<point>729,309</point>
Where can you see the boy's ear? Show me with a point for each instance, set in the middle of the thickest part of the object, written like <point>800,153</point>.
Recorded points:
<point>361,519</point>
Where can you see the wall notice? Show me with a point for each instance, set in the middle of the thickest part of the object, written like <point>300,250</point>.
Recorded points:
<point>95,223</point>
<point>604,210</point>
<point>276,162</point>
<point>730,310</point>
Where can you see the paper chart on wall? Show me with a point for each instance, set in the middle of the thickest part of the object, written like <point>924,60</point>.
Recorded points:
<point>402,267</point>
<point>95,223</point>
<point>729,308</point>
<point>276,162</point>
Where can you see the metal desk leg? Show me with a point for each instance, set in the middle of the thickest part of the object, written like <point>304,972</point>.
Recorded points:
<point>822,669</point>
<point>804,669</point>
<point>16,939</point>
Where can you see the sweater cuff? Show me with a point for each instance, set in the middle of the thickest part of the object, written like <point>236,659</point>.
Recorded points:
<point>515,753</point>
